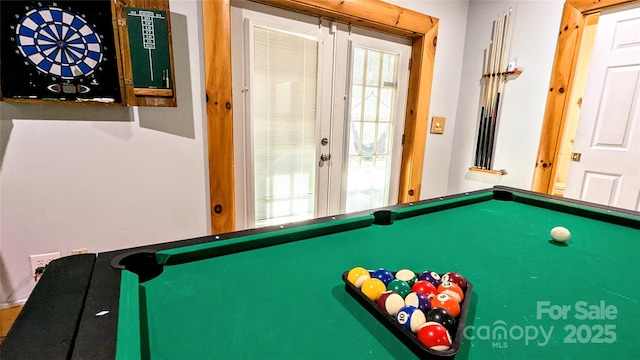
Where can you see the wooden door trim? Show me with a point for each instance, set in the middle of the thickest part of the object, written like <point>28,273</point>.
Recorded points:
<point>370,14</point>
<point>561,85</point>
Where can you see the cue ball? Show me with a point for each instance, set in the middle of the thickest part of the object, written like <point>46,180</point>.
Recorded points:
<point>560,234</point>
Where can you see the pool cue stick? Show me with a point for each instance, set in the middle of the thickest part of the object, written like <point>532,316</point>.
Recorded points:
<point>482,121</point>
<point>496,102</point>
<point>491,98</point>
<point>492,91</point>
<point>492,126</point>
<point>503,65</point>
<point>488,86</point>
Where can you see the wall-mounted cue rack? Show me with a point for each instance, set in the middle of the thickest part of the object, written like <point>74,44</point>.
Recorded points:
<point>496,73</point>
<point>114,52</point>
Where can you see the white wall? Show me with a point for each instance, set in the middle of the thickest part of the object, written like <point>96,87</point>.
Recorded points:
<point>104,178</point>
<point>109,177</point>
<point>452,17</point>
<point>533,43</point>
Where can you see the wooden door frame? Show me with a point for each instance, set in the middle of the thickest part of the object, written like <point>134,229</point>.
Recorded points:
<point>371,14</point>
<point>561,85</point>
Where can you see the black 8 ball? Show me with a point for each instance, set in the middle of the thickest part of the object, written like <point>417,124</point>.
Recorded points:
<point>443,317</point>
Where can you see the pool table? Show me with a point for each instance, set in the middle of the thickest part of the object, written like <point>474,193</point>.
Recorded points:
<point>278,292</point>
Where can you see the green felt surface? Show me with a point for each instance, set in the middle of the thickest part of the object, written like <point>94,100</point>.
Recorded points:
<point>288,301</point>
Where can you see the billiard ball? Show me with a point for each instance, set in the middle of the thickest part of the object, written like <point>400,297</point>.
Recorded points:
<point>455,278</point>
<point>446,302</point>
<point>434,336</point>
<point>400,287</point>
<point>357,276</point>
<point>385,275</point>
<point>418,300</point>
<point>372,288</point>
<point>390,302</point>
<point>425,287</point>
<point>431,276</point>
<point>442,316</point>
<point>410,318</point>
<point>560,234</point>
<point>407,275</point>
<point>451,289</point>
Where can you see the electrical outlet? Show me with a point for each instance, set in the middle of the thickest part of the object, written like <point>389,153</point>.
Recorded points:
<point>42,260</point>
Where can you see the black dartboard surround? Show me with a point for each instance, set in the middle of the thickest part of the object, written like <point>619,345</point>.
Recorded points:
<point>62,50</point>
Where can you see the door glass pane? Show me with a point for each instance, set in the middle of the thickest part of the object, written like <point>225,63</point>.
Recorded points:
<point>386,104</point>
<point>283,94</point>
<point>371,100</point>
<point>369,165</point>
<point>372,59</point>
<point>358,66</point>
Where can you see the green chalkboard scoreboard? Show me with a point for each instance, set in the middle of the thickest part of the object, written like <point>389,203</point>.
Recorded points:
<point>149,48</point>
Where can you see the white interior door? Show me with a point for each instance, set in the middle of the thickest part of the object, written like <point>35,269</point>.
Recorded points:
<point>608,135</point>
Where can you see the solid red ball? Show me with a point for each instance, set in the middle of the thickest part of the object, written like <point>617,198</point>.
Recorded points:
<point>426,288</point>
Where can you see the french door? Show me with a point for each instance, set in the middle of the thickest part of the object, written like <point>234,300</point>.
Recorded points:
<point>318,111</point>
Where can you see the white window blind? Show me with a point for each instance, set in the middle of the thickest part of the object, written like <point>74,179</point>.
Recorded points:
<point>284,93</point>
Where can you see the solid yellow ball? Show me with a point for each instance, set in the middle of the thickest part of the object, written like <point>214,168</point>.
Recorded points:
<point>373,288</point>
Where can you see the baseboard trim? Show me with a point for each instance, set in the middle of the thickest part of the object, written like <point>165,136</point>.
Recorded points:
<point>13,304</point>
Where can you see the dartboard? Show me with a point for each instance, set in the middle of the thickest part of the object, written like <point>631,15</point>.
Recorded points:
<point>58,43</point>
<point>63,50</point>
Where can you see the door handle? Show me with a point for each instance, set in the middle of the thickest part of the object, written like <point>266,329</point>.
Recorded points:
<point>325,157</point>
<point>576,157</point>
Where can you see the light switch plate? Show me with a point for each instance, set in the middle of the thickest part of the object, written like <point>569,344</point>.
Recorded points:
<point>437,124</point>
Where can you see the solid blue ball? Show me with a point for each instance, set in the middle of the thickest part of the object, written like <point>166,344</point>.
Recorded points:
<point>384,275</point>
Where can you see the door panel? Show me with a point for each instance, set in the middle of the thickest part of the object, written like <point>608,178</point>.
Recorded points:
<point>276,69</point>
<point>283,115</point>
<point>292,83</point>
<point>372,103</point>
<point>375,102</point>
<point>608,135</point>
<point>613,123</point>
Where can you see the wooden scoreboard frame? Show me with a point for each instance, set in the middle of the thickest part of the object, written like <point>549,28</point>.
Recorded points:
<point>133,96</point>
